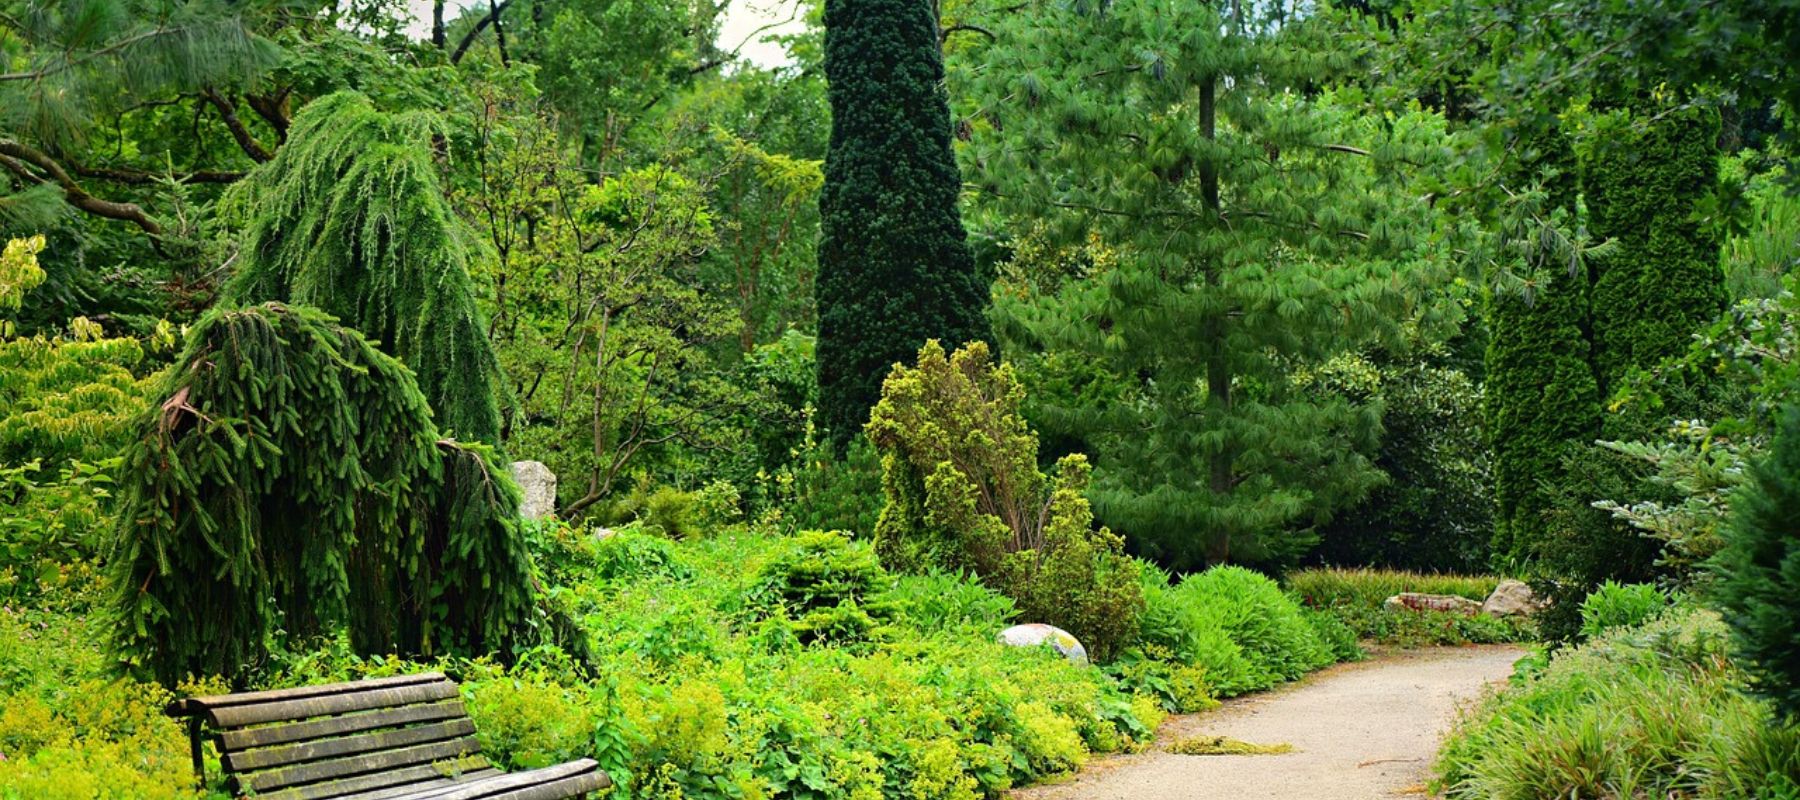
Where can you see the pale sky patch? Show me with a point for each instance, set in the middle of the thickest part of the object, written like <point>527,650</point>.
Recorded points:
<point>743,19</point>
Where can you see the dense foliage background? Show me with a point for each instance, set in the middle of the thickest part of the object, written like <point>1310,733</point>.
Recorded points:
<point>1197,330</point>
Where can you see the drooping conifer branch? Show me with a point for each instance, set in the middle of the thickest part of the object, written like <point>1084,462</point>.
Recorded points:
<point>350,217</point>
<point>289,483</point>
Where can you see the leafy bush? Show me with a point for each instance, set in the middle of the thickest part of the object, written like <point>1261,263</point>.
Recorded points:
<point>632,553</point>
<point>1178,630</point>
<point>1436,510</point>
<point>1620,606</point>
<point>941,602</point>
<point>69,730</point>
<point>964,491</point>
<point>1759,571</point>
<point>1651,711</point>
<point>1267,624</point>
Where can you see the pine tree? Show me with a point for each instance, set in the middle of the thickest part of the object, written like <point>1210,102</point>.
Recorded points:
<point>1543,397</point>
<point>1662,282</point>
<point>1260,230</point>
<point>287,483</point>
<point>350,218</point>
<point>894,264</point>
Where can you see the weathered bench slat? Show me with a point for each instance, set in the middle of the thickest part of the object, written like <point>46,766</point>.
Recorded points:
<point>317,690</point>
<point>238,716</point>
<point>359,764</point>
<point>402,738</point>
<point>408,777</point>
<point>567,787</point>
<point>581,772</point>
<point>246,738</point>
<point>264,758</point>
<point>395,792</point>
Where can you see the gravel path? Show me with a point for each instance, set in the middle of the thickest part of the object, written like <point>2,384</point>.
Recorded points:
<point>1360,731</point>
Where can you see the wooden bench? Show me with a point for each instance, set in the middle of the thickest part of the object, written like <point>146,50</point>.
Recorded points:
<point>400,738</point>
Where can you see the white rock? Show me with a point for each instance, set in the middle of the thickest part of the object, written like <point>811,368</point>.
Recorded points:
<point>1510,598</point>
<point>1040,635</point>
<point>539,485</point>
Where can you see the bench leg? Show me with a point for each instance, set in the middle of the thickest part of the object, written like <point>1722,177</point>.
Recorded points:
<point>194,750</point>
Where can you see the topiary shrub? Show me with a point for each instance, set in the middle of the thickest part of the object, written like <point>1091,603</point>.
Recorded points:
<point>832,590</point>
<point>963,490</point>
<point>1758,588</point>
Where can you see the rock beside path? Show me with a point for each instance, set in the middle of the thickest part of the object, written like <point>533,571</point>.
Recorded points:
<point>1512,598</point>
<point>1416,601</point>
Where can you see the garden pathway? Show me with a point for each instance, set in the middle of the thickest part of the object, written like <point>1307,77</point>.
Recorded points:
<point>1360,731</point>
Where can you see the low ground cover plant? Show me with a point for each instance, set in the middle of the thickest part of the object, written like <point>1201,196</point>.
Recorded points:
<point>743,664</point>
<point>1652,710</point>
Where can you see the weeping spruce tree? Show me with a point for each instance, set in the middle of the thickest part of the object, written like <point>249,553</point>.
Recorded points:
<point>1261,229</point>
<point>894,263</point>
<point>349,217</point>
<point>288,483</point>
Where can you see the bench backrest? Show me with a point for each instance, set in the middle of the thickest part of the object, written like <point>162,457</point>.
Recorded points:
<point>371,739</point>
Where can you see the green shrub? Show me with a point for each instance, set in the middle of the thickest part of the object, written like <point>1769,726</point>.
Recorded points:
<point>941,602</point>
<point>963,491</point>
<point>831,588</point>
<point>1178,630</point>
<point>1648,711</point>
<point>1263,621</point>
<point>1759,571</point>
<point>1339,638</point>
<point>634,554</point>
<point>1616,605</point>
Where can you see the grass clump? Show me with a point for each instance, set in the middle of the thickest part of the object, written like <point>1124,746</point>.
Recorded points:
<point>1655,710</point>
<point>1225,746</point>
<point>1356,598</point>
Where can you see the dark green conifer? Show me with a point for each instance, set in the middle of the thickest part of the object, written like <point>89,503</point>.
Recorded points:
<point>1759,583</point>
<point>288,483</point>
<point>1662,281</point>
<point>350,218</point>
<point>1542,396</point>
<point>894,264</point>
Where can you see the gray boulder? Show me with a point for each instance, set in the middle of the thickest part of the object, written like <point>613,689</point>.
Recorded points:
<point>1040,635</point>
<point>539,485</point>
<point>1416,601</point>
<point>1512,598</point>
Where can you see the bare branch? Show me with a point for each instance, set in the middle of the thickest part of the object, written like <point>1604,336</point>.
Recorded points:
<point>17,156</point>
<point>493,16</point>
<point>228,112</point>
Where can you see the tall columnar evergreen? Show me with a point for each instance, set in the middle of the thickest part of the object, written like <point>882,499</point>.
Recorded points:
<point>350,218</point>
<point>1662,282</point>
<point>1260,230</point>
<point>288,480</point>
<point>1542,394</point>
<point>894,264</point>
